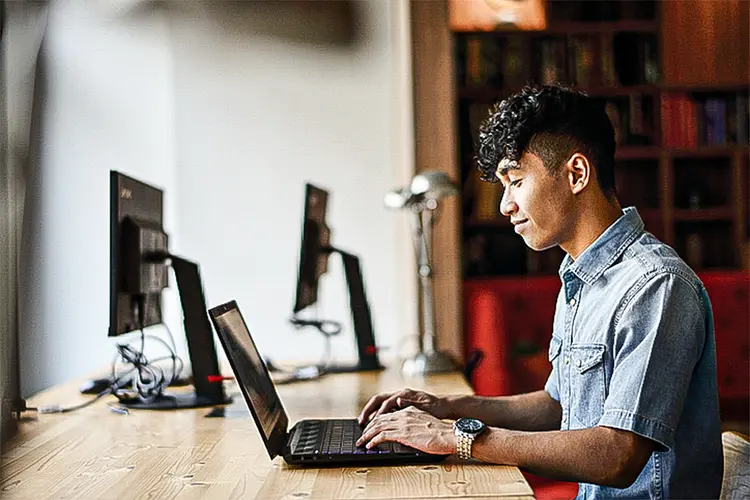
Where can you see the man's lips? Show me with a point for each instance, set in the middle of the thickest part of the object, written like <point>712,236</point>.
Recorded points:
<point>519,224</point>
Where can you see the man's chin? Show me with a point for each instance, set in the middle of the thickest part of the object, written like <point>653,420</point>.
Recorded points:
<point>538,246</point>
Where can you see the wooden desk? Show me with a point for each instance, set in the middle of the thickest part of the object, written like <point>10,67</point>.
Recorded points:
<point>96,453</point>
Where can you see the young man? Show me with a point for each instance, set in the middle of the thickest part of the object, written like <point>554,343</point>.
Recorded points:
<point>630,409</point>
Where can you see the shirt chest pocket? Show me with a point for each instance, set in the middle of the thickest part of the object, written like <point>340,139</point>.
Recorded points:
<point>587,384</point>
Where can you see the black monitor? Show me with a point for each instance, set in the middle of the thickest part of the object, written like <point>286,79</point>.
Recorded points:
<point>139,264</point>
<point>136,226</point>
<point>316,236</point>
<point>315,248</point>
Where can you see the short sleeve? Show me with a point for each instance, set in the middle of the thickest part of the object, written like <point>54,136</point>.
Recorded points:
<point>659,338</point>
<point>552,385</point>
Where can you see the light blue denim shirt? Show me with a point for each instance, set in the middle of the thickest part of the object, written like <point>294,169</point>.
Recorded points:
<point>633,348</point>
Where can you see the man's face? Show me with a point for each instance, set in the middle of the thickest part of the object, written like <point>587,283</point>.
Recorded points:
<point>537,202</point>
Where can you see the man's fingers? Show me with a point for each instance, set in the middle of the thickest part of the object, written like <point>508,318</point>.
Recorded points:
<point>380,424</point>
<point>387,405</point>
<point>370,407</point>
<point>379,438</point>
<point>405,403</point>
<point>370,431</point>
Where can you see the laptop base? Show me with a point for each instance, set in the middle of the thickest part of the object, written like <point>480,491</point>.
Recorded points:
<point>361,460</point>
<point>332,442</point>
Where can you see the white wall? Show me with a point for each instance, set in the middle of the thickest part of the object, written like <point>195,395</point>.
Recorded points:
<point>230,115</point>
<point>258,114</point>
<point>107,103</point>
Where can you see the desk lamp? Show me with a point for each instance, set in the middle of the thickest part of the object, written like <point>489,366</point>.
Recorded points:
<point>421,198</point>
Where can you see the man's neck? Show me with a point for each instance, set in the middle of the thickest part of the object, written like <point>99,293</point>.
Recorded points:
<point>589,227</point>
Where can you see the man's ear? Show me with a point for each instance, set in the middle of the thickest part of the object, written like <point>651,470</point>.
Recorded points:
<point>579,172</point>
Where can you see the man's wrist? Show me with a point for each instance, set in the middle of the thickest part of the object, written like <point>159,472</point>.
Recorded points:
<point>450,405</point>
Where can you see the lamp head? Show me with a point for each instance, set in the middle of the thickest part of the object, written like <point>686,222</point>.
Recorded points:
<point>433,184</point>
<point>429,185</point>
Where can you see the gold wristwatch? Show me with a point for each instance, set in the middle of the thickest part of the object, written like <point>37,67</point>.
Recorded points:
<point>466,429</point>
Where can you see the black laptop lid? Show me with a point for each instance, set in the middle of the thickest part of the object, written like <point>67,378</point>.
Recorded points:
<point>252,376</point>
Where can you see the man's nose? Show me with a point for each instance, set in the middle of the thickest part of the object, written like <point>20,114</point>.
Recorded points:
<point>507,205</point>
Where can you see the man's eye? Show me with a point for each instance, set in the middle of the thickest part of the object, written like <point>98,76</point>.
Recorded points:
<point>516,182</point>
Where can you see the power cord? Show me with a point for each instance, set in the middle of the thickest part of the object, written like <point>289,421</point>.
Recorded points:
<point>328,329</point>
<point>148,380</point>
<point>60,409</point>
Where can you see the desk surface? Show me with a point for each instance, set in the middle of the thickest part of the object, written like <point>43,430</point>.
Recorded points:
<point>96,453</point>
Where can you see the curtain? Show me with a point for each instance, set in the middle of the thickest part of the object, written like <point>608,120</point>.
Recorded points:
<point>22,25</point>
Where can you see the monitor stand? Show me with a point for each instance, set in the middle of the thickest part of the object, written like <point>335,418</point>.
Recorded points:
<point>201,347</point>
<point>366,349</point>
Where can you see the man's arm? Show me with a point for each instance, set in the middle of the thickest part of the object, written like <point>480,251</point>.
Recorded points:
<point>534,411</point>
<point>599,455</point>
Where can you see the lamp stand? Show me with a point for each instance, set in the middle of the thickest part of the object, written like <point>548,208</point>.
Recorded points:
<point>429,359</point>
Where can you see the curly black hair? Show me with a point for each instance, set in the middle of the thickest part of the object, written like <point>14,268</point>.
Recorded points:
<point>552,122</point>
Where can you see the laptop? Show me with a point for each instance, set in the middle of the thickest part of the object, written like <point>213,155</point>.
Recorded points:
<point>311,442</point>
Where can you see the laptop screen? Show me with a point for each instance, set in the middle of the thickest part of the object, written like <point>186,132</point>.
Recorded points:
<point>252,375</point>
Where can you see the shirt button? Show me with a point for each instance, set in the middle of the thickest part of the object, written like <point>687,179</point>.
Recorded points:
<point>566,360</point>
<point>578,363</point>
<point>572,302</point>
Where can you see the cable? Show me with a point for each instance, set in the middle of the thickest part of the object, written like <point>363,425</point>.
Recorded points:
<point>327,327</point>
<point>59,409</point>
<point>148,380</point>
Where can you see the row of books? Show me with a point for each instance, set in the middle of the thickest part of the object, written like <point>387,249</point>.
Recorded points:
<point>584,60</point>
<point>688,122</point>
<point>632,118</point>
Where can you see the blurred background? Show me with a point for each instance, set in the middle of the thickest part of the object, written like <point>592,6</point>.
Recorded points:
<point>231,107</point>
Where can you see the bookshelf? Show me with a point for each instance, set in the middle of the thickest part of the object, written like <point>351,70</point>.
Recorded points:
<point>682,140</point>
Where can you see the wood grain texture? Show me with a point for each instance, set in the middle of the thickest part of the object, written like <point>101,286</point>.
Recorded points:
<point>95,453</point>
<point>435,139</point>
<point>705,43</point>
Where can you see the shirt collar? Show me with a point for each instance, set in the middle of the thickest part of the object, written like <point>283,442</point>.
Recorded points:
<point>607,248</point>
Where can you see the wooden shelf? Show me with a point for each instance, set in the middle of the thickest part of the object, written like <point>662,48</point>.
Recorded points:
<point>602,27</point>
<point>651,176</point>
<point>705,151</point>
<point>637,153</point>
<point>585,28</point>
<point>489,94</point>
<point>704,214</point>
<point>650,214</point>
<point>698,89</point>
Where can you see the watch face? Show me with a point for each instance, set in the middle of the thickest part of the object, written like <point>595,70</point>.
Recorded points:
<point>470,425</point>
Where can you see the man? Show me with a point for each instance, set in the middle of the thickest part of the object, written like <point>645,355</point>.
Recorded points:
<point>630,409</point>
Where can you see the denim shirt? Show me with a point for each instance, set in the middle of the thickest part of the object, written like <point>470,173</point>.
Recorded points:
<point>633,348</point>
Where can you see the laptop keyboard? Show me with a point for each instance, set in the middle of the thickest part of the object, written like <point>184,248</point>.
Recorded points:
<point>338,437</point>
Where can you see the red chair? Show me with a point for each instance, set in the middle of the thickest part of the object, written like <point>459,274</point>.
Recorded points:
<point>510,321</point>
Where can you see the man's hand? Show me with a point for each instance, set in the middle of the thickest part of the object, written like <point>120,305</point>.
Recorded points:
<point>411,427</point>
<point>387,402</point>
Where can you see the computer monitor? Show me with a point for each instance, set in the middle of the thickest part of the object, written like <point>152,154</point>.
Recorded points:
<point>316,236</point>
<point>136,226</point>
<point>139,264</point>
<point>315,248</point>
